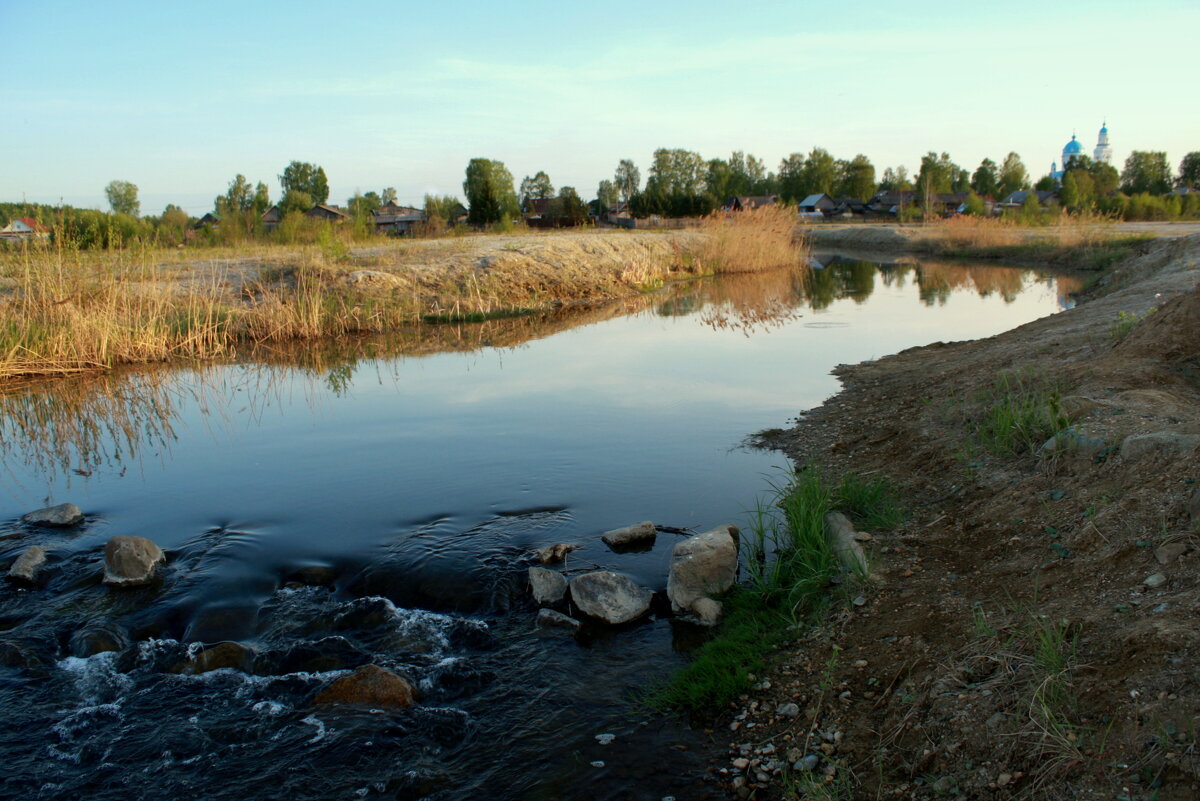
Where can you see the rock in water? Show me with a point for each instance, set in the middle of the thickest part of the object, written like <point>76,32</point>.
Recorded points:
<point>707,611</point>
<point>554,553</point>
<point>701,567</point>
<point>548,618</point>
<point>64,515</point>
<point>27,565</point>
<point>97,637</point>
<point>370,685</point>
<point>638,534</point>
<point>610,597</point>
<point>131,561</point>
<point>549,587</point>
<point>839,532</point>
<point>222,655</point>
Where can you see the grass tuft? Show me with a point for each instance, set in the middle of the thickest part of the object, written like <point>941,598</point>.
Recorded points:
<point>1021,414</point>
<point>750,241</point>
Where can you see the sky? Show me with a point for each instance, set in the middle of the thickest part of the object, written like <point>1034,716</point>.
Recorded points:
<point>178,98</point>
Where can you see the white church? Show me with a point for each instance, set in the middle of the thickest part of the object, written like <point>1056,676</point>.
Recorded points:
<point>1074,149</point>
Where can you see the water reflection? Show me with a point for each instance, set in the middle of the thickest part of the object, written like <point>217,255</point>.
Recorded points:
<point>73,427</point>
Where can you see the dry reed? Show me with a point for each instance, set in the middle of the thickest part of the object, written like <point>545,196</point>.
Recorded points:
<point>749,241</point>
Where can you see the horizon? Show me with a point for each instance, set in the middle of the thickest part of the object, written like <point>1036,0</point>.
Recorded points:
<point>179,104</point>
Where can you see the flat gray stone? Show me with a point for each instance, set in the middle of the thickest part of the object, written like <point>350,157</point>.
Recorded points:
<point>642,533</point>
<point>548,586</point>
<point>26,566</point>
<point>840,533</point>
<point>610,597</point>
<point>131,561</point>
<point>64,515</point>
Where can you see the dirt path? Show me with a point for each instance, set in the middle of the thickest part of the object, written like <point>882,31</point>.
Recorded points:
<point>1032,633</point>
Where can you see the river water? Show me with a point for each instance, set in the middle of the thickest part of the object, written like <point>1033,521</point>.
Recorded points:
<point>377,501</point>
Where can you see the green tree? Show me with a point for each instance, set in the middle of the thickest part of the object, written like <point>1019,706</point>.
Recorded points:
<point>536,188</point>
<point>1104,177</point>
<point>1078,190</point>
<point>361,206</point>
<point>307,178</point>
<point>389,195</point>
<point>123,197</point>
<point>1146,171</point>
<point>720,182</point>
<point>489,190</point>
<point>895,180</point>
<point>1189,171</point>
<point>238,197</point>
<point>296,200</point>
<point>628,179</point>
<point>1046,183</point>
<point>985,180</point>
<point>975,205</point>
<point>567,209</point>
<point>441,207</point>
<point>820,172</point>
<point>1013,175</point>
<point>1031,209</point>
<point>856,178</point>
<point>606,196</point>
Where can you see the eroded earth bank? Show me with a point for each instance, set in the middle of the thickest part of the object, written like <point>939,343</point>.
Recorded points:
<point>1031,632</point>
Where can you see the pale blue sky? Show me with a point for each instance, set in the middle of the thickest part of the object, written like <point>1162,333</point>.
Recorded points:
<point>180,97</point>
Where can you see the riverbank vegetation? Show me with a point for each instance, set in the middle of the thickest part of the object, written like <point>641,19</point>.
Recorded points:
<point>793,574</point>
<point>70,309</point>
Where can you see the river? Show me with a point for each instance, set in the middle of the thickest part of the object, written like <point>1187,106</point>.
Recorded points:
<point>378,501</point>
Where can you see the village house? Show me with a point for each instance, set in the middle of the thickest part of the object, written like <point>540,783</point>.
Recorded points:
<point>747,202</point>
<point>1016,199</point>
<point>820,203</point>
<point>323,211</point>
<point>397,220</point>
<point>271,218</point>
<point>24,229</point>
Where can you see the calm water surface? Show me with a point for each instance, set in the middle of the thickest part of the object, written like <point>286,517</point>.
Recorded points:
<point>417,473</point>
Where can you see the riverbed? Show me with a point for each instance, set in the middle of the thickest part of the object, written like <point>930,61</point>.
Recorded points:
<point>378,500</point>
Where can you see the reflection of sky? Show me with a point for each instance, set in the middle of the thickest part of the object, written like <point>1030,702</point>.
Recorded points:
<point>629,419</point>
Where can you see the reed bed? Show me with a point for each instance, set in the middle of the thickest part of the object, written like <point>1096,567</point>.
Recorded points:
<point>751,241</point>
<point>65,310</point>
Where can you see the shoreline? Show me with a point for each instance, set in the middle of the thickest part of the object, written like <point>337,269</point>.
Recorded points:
<point>998,549</point>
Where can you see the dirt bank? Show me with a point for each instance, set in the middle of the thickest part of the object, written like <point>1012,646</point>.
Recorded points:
<point>1033,630</point>
<point>891,237</point>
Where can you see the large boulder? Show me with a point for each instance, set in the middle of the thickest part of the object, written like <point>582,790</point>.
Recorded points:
<point>64,515</point>
<point>701,567</point>
<point>370,685</point>
<point>26,566</point>
<point>635,536</point>
<point>131,561</point>
<point>549,586</point>
<point>840,534</point>
<point>610,597</point>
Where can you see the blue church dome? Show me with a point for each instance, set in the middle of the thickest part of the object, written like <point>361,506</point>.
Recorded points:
<point>1073,148</point>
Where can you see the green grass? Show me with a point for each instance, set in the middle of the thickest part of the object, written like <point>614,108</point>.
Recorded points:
<point>1021,412</point>
<point>788,564</point>
<point>1125,323</point>
<point>477,317</point>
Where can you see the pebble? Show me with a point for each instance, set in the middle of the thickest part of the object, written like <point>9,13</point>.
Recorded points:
<point>788,710</point>
<point>741,763</point>
<point>767,749</point>
<point>1156,580</point>
<point>605,739</point>
<point>859,600</point>
<point>1003,779</point>
<point>599,763</point>
<point>808,763</point>
<point>860,663</point>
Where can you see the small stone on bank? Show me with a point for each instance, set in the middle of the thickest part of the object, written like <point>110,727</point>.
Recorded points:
<point>64,515</point>
<point>1156,580</point>
<point>550,619</point>
<point>788,710</point>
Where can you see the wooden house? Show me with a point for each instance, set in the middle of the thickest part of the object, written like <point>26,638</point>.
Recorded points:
<point>395,219</point>
<point>747,202</point>
<point>323,211</point>
<point>24,229</point>
<point>271,218</point>
<point>819,203</point>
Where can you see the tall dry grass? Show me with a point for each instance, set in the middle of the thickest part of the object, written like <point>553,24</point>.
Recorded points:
<point>1062,230</point>
<point>750,241</point>
<point>65,310</point>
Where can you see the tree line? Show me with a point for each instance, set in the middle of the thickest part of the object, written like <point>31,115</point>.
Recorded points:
<point>679,183</point>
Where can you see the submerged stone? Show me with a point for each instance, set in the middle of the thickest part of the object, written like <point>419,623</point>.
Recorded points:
<point>554,553</point>
<point>370,685</point>
<point>222,655</point>
<point>64,515</point>
<point>26,566</point>
<point>97,638</point>
<point>548,618</point>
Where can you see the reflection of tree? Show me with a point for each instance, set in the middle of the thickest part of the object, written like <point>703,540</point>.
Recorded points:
<point>841,279</point>
<point>752,301</point>
<point>937,280</point>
